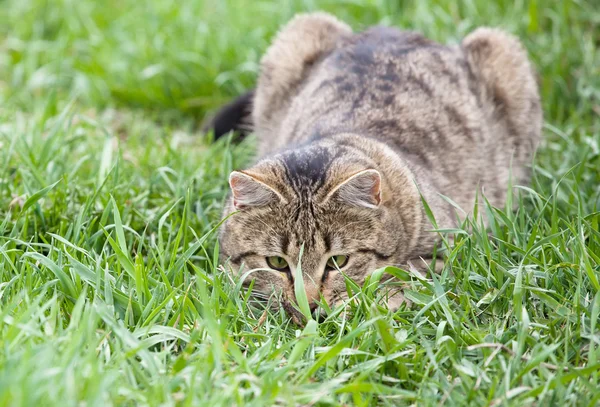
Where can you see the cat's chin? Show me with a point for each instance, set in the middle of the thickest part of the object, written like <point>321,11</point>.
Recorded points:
<point>263,302</point>
<point>391,298</point>
<point>296,316</point>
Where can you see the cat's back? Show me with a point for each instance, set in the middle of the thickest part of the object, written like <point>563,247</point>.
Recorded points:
<point>384,81</point>
<point>459,112</point>
<point>398,87</point>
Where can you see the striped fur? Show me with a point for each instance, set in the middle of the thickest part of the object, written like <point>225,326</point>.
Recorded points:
<point>426,118</point>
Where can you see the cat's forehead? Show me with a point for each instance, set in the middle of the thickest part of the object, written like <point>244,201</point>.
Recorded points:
<point>307,170</point>
<point>315,239</point>
<point>309,225</point>
<point>302,225</point>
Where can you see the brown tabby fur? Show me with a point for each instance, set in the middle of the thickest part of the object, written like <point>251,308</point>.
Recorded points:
<point>330,104</point>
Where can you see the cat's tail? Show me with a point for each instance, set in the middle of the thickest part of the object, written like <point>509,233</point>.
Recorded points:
<point>235,116</point>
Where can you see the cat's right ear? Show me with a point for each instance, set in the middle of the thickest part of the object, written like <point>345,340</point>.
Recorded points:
<point>362,189</point>
<point>250,192</point>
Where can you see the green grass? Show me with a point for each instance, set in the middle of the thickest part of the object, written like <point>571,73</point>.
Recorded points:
<point>110,291</point>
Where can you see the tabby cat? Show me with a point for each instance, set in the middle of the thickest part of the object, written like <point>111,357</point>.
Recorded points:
<point>353,130</point>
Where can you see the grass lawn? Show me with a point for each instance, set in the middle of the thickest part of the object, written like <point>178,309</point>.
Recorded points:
<point>110,289</point>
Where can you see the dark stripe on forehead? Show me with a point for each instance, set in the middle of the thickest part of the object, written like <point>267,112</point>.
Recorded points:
<point>296,212</point>
<point>327,240</point>
<point>284,242</point>
<point>306,169</point>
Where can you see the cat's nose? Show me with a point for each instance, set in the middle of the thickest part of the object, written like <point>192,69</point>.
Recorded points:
<point>312,292</point>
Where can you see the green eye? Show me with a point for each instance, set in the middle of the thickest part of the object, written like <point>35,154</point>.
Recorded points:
<point>338,261</point>
<point>278,263</point>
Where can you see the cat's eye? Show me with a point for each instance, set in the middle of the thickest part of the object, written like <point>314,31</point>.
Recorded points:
<point>278,263</point>
<point>336,262</point>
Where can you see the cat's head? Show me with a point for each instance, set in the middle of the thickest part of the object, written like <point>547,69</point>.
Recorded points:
<point>323,197</point>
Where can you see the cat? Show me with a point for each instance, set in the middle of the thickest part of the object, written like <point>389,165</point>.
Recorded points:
<point>354,129</point>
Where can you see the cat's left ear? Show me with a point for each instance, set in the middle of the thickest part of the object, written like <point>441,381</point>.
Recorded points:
<point>248,191</point>
<point>361,189</point>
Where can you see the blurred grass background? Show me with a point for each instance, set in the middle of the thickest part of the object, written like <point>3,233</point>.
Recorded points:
<point>187,57</point>
<point>110,291</point>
